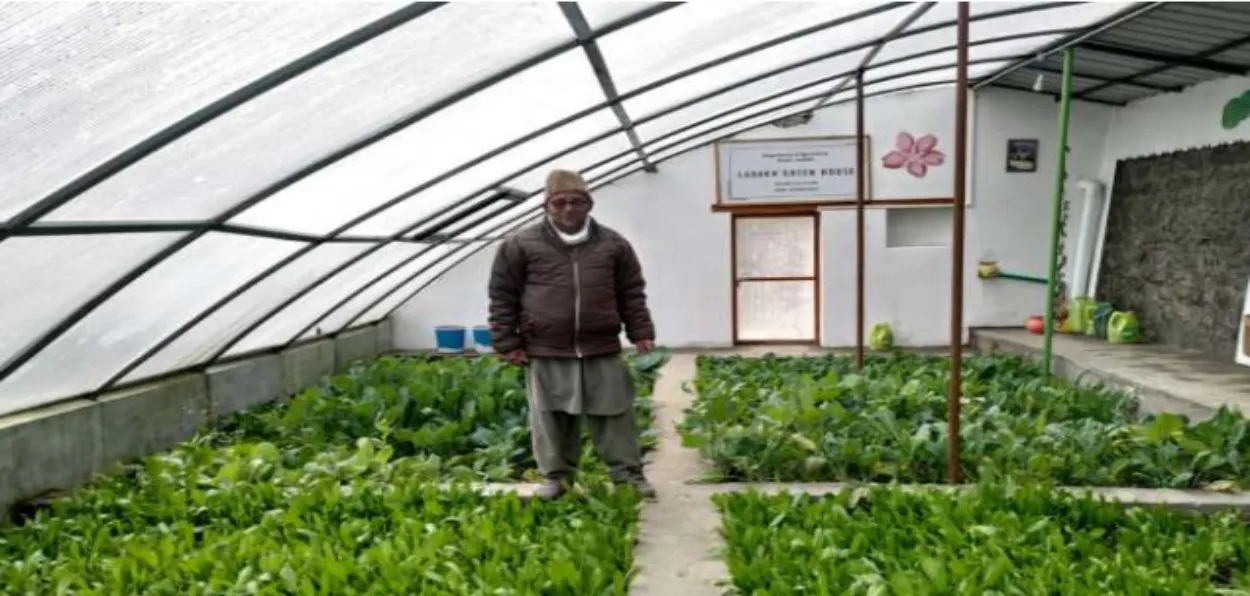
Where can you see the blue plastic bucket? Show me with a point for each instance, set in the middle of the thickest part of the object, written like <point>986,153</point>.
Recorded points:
<point>481,338</point>
<point>449,338</point>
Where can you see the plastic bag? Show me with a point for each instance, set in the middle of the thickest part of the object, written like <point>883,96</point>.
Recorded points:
<point>881,338</point>
<point>1123,328</point>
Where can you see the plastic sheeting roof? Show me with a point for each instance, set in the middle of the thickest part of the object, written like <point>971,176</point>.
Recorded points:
<point>187,182</point>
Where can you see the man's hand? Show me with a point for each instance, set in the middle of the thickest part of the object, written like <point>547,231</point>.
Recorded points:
<point>517,357</point>
<point>644,346</point>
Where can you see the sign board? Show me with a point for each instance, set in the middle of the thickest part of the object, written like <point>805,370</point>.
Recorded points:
<point>787,171</point>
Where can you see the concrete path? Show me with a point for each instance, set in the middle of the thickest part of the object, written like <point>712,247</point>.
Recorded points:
<point>680,535</point>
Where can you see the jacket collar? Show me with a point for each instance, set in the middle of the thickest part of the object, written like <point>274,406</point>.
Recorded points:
<point>553,236</point>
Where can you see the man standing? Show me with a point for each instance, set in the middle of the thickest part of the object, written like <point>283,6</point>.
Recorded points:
<point>560,292</point>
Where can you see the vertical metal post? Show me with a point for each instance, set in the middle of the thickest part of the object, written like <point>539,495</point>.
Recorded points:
<point>860,176</point>
<point>954,470</point>
<point>1061,174</point>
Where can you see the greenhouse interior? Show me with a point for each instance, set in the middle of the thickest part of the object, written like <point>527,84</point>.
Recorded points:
<point>853,298</point>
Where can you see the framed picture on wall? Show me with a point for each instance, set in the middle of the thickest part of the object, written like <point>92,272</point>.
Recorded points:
<point>1021,155</point>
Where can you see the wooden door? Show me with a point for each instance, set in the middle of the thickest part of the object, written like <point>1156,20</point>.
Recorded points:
<point>776,268</point>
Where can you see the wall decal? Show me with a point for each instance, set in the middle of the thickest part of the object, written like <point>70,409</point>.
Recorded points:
<point>917,155</point>
<point>1021,155</point>
<point>1235,111</point>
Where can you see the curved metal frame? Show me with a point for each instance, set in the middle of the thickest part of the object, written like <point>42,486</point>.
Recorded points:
<point>722,114</point>
<point>582,39</point>
<point>728,87</point>
<point>121,283</point>
<point>533,213</point>
<point>217,108</point>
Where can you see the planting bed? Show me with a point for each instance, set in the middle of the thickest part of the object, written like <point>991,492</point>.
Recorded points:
<point>992,540</point>
<point>809,419</point>
<point>337,491</point>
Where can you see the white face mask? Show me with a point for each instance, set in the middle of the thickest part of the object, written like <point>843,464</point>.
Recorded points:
<point>578,237</point>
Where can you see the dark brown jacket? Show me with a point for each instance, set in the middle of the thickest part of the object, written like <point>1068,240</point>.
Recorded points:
<point>552,299</point>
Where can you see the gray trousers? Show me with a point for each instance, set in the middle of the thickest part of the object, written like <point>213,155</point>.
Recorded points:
<point>558,444</point>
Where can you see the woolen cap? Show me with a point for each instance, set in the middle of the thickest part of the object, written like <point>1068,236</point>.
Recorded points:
<point>559,181</point>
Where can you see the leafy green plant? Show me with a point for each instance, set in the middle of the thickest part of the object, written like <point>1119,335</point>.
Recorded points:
<point>814,419</point>
<point>340,490</point>
<point>242,520</point>
<point>471,412</point>
<point>992,540</point>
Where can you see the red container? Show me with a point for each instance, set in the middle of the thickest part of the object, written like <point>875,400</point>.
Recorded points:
<point>1036,325</point>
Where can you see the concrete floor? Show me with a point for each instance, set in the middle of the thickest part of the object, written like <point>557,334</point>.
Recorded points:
<point>1165,379</point>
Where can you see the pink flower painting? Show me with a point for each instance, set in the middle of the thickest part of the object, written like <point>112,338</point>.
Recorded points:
<point>917,155</point>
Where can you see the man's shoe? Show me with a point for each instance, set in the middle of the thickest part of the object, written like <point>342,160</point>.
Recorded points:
<point>640,484</point>
<point>644,488</point>
<point>550,490</point>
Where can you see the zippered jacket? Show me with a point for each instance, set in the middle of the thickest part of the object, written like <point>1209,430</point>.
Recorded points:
<point>556,300</point>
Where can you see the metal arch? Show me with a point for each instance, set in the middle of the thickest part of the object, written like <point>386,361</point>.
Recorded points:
<point>448,239</point>
<point>1119,18</point>
<point>723,89</point>
<point>893,34</point>
<point>666,80</point>
<point>217,108</point>
<point>621,23</point>
<point>785,92</point>
<point>256,279</point>
<point>341,303</point>
<point>380,277</point>
<point>383,275</point>
<point>87,228</point>
<point>96,301</point>
<point>529,214</point>
<point>577,21</point>
<point>623,97</point>
<point>1132,79</point>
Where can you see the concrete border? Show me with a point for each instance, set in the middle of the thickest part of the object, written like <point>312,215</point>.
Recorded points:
<point>244,384</point>
<point>61,446</point>
<point>151,418</point>
<point>48,449</point>
<point>355,345</point>
<point>305,365</point>
<point>1152,399</point>
<point>386,336</point>
<point>1184,500</point>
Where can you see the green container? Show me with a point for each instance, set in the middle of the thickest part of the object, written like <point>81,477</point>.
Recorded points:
<point>1081,315</point>
<point>1100,320</point>
<point>881,338</point>
<point>1122,328</point>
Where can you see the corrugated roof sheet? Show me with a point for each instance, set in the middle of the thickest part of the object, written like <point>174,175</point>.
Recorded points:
<point>1172,46</point>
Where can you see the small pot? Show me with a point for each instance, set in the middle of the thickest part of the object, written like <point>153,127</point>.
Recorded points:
<point>1036,325</point>
<point>987,269</point>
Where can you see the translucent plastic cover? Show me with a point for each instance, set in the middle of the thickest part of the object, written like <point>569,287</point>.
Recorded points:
<point>394,133</point>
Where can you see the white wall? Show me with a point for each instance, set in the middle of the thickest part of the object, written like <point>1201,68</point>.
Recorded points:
<point>684,247</point>
<point>1170,122</point>
<point>1013,212</point>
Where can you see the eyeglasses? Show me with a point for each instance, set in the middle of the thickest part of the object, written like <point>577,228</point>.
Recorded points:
<point>568,203</point>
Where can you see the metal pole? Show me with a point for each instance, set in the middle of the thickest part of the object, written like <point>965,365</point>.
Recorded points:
<point>860,175</point>
<point>1061,174</point>
<point>954,470</point>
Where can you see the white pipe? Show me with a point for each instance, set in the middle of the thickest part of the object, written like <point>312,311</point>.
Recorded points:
<point>1091,218</point>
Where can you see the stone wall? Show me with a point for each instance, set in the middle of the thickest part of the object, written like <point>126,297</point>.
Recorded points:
<point>1177,247</point>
